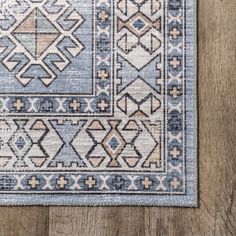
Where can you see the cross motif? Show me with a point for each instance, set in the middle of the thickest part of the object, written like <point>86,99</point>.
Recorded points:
<point>33,182</point>
<point>175,62</point>
<point>90,182</point>
<point>175,152</point>
<point>174,33</point>
<point>175,183</point>
<point>175,92</point>
<point>103,16</point>
<point>103,105</point>
<point>62,182</point>
<point>146,183</point>
<point>103,75</point>
<point>18,104</point>
<point>75,105</point>
<point>118,182</point>
<point>47,105</point>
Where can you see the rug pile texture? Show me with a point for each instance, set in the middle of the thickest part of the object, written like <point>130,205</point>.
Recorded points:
<point>98,102</point>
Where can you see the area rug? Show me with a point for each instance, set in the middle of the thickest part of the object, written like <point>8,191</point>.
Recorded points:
<point>98,102</point>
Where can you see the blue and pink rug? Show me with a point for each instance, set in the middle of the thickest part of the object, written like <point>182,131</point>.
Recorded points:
<point>98,102</point>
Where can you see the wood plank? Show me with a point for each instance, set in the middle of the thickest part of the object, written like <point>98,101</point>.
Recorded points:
<point>101,221</point>
<point>24,221</point>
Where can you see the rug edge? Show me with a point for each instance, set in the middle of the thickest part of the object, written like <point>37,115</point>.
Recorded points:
<point>188,200</point>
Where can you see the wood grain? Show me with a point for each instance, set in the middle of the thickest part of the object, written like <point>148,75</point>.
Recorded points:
<point>217,158</point>
<point>96,221</point>
<point>24,221</point>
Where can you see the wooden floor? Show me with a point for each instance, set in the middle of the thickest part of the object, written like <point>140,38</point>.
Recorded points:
<point>217,158</point>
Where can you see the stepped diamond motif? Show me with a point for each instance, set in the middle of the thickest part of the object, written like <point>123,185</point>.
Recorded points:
<point>139,24</point>
<point>36,33</point>
<point>41,43</point>
<point>114,143</point>
<point>20,143</point>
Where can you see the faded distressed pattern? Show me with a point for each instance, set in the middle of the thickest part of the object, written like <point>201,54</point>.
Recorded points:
<point>98,102</point>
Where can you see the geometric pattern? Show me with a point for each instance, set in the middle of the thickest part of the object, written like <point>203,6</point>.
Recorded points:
<point>94,101</point>
<point>140,32</point>
<point>45,46</point>
<point>37,36</point>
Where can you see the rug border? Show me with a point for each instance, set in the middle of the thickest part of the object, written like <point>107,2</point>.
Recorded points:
<point>191,197</point>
